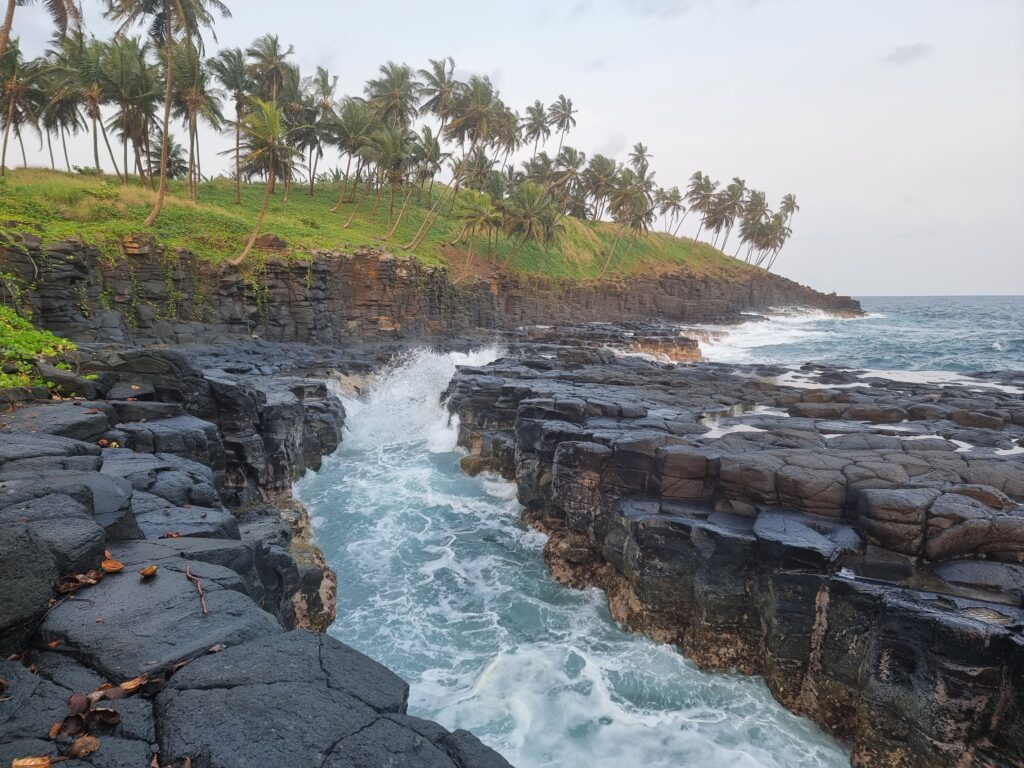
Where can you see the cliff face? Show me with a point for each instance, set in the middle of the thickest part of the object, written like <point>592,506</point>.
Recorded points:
<point>178,298</point>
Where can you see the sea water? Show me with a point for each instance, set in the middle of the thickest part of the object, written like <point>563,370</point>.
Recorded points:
<point>918,333</point>
<point>439,580</point>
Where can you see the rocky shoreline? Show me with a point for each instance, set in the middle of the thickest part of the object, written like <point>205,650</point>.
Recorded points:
<point>856,541</point>
<point>162,597</point>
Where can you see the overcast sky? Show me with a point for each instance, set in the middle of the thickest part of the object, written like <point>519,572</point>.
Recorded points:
<point>898,124</point>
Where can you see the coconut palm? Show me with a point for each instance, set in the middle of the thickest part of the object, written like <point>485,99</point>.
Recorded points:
<point>84,70</point>
<point>428,157</point>
<point>65,14</point>
<point>561,116</point>
<point>269,66</point>
<point>599,178</point>
<point>350,133</point>
<point>788,207</point>
<point>728,208</point>
<point>640,158</point>
<point>532,214</point>
<point>755,210</point>
<point>477,213</point>
<point>63,110</point>
<point>536,127</point>
<point>569,167</point>
<point>394,95</point>
<point>22,98</point>
<point>194,98</point>
<point>700,194</point>
<point>132,86</point>
<point>476,113</point>
<point>167,22</point>
<point>438,89</point>
<point>670,206</point>
<point>265,149</point>
<point>232,71</point>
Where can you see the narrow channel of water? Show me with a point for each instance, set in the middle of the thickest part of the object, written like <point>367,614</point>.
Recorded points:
<point>439,581</point>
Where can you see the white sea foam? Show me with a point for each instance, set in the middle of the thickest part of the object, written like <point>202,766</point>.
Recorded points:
<point>439,581</point>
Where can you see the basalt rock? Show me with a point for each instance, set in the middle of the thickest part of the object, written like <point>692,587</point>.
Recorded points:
<point>835,541</point>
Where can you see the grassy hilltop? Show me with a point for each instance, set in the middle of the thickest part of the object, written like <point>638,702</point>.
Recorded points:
<point>100,211</point>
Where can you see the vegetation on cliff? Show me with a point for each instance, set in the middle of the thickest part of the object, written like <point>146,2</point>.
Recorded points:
<point>21,345</point>
<point>427,163</point>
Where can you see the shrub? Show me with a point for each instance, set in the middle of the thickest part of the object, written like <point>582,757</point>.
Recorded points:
<point>21,344</point>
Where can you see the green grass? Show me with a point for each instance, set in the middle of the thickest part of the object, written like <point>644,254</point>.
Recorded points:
<point>57,206</point>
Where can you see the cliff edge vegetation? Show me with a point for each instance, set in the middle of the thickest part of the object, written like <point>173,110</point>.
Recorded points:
<point>100,211</point>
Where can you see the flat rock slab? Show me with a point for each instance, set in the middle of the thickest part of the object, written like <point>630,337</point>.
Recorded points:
<point>157,517</point>
<point>73,419</point>
<point>125,625</point>
<point>300,699</point>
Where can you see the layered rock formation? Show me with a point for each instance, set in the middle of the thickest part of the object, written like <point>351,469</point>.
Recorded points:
<point>158,577</point>
<point>857,542</point>
<point>177,298</point>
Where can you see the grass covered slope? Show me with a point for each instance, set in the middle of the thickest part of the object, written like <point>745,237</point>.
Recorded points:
<point>58,206</point>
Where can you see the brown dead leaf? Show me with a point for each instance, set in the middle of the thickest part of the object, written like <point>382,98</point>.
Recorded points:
<point>134,684</point>
<point>104,716</point>
<point>31,762</point>
<point>148,572</point>
<point>170,535</point>
<point>217,648</point>
<point>115,693</point>
<point>4,684</point>
<point>78,703</point>
<point>107,555</point>
<point>112,566</point>
<point>84,746</point>
<point>53,644</point>
<point>92,410</point>
<point>155,762</point>
<point>103,442</point>
<point>104,687</point>
<point>55,729</point>
<point>72,726</point>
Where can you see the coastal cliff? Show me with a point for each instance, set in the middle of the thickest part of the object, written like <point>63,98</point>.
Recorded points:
<point>154,295</point>
<point>856,542</point>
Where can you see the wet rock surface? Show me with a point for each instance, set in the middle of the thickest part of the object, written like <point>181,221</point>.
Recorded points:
<point>149,544</point>
<point>855,541</point>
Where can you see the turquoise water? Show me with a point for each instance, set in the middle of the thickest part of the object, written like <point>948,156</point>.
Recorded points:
<point>921,333</point>
<point>439,581</point>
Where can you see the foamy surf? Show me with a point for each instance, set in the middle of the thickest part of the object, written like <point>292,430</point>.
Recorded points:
<point>439,581</point>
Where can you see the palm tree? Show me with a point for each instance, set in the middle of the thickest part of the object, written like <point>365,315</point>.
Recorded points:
<point>428,157</point>
<point>265,149</point>
<point>477,213</point>
<point>536,126</point>
<point>63,110</point>
<point>788,207</point>
<point>532,214</point>
<point>232,71</point>
<point>670,205</point>
<point>599,179</point>
<point>22,97</point>
<point>640,158</point>
<point>755,210</point>
<point>269,67</point>
<point>394,95</point>
<point>476,113</point>
<point>438,89</point>
<point>167,22</point>
<point>86,72</point>
<point>700,194</point>
<point>569,167</point>
<point>194,98</point>
<point>66,15</point>
<point>350,133</point>
<point>132,86</point>
<point>561,116</point>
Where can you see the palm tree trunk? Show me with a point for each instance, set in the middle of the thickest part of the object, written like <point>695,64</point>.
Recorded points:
<point>238,154</point>
<point>199,160</point>
<point>259,222</point>
<point>622,229</point>
<point>96,144</point>
<point>165,144</point>
<point>391,205</point>
<point>680,224</point>
<point>64,143</point>
<point>5,30</point>
<point>7,133</point>
<point>431,217</point>
<point>355,210</point>
<point>124,164</point>
<point>110,151</point>
<point>21,143</point>
<point>401,213</point>
<point>49,146</point>
<point>191,161</point>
